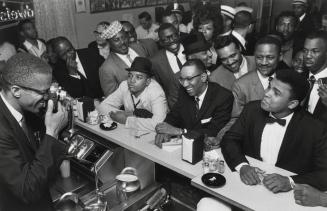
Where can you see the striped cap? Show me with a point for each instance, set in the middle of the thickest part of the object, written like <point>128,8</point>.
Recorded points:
<point>228,11</point>
<point>304,2</point>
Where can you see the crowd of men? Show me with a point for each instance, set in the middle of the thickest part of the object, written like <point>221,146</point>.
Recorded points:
<point>260,95</point>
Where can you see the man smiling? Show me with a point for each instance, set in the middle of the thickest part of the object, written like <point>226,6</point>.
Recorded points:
<point>112,72</point>
<point>202,107</point>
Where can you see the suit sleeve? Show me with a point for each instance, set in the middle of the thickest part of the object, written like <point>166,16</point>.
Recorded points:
<point>173,117</point>
<point>239,100</point>
<point>73,86</point>
<point>29,180</point>
<point>318,176</point>
<point>231,145</point>
<point>107,80</point>
<point>221,116</point>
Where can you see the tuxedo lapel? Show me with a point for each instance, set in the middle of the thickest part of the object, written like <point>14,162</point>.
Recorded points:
<point>289,140</point>
<point>259,125</point>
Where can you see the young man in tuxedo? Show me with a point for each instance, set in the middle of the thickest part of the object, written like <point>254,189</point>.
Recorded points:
<point>279,132</point>
<point>202,107</point>
<point>28,164</point>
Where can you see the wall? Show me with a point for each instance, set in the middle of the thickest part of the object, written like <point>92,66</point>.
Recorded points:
<point>86,22</point>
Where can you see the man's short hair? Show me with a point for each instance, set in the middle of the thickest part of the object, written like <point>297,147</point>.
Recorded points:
<point>23,22</point>
<point>269,39</point>
<point>224,41</point>
<point>243,19</point>
<point>197,63</point>
<point>165,26</point>
<point>318,35</point>
<point>145,15</point>
<point>298,83</point>
<point>288,14</point>
<point>56,41</point>
<point>22,68</point>
<point>168,13</point>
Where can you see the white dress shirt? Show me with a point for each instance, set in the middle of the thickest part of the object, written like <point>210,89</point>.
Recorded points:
<point>271,140</point>
<point>264,80</point>
<point>243,68</point>
<point>314,97</point>
<point>80,68</point>
<point>36,51</point>
<point>201,97</point>
<point>302,17</point>
<point>172,59</point>
<point>152,99</point>
<point>124,57</point>
<point>17,115</point>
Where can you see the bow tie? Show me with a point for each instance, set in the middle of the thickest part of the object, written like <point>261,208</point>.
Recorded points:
<point>271,120</point>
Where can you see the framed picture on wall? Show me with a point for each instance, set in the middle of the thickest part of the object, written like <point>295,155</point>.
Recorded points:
<point>110,5</point>
<point>80,6</point>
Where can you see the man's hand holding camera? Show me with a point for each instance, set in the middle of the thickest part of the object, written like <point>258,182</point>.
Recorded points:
<point>55,122</point>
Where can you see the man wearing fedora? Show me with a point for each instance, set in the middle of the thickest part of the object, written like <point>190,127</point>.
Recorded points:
<point>112,71</point>
<point>196,47</point>
<point>140,95</point>
<point>233,63</point>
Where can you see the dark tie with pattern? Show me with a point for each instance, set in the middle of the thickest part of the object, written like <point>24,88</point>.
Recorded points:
<point>312,81</point>
<point>271,120</point>
<point>197,103</point>
<point>178,61</point>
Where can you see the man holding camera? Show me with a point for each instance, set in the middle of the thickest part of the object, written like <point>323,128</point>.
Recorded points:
<point>30,155</point>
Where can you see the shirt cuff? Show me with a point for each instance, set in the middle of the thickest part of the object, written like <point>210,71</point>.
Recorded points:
<point>239,166</point>
<point>292,183</point>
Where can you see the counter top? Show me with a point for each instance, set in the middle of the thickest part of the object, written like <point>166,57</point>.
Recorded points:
<point>145,147</point>
<point>256,197</point>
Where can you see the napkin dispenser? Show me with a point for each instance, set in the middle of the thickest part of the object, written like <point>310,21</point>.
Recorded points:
<point>84,106</point>
<point>192,147</point>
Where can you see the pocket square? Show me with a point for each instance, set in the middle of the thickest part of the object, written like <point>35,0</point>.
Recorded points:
<point>203,121</point>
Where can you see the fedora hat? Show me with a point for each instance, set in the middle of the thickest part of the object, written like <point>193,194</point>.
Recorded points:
<point>195,42</point>
<point>141,64</point>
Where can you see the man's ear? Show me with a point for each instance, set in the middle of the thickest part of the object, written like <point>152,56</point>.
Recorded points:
<point>16,91</point>
<point>204,77</point>
<point>148,81</point>
<point>293,104</point>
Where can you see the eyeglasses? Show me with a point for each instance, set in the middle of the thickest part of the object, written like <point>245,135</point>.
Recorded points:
<point>39,92</point>
<point>167,39</point>
<point>188,79</point>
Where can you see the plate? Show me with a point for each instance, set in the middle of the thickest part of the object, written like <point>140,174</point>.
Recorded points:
<point>213,180</point>
<point>108,126</point>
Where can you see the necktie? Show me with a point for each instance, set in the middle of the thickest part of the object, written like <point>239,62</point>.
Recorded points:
<point>178,61</point>
<point>271,120</point>
<point>197,103</point>
<point>270,78</point>
<point>28,133</point>
<point>312,81</point>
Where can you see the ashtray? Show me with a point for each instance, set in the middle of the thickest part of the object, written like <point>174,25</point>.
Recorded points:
<point>213,180</point>
<point>108,126</point>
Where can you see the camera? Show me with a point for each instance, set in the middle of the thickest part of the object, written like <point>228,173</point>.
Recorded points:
<point>57,94</point>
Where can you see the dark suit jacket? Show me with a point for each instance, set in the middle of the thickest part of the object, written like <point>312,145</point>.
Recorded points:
<point>89,86</point>
<point>25,171</point>
<point>166,76</point>
<point>213,115</point>
<point>94,51</point>
<point>303,150</point>
<point>150,46</point>
<point>113,71</point>
<point>320,111</point>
